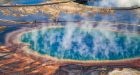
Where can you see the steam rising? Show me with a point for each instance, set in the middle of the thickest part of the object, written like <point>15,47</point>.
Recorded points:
<point>83,41</point>
<point>114,3</point>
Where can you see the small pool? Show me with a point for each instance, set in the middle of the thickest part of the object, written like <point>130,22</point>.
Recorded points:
<point>78,43</point>
<point>28,2</point>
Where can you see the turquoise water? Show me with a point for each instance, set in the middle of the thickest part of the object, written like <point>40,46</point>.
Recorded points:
<point>28,2</point>
<point>83,44</point>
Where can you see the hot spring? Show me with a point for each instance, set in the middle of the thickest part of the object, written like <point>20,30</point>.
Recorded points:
<point>83,43</point>
<point>22,2</point>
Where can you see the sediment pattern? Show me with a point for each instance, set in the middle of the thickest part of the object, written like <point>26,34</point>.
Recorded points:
<point>54,10</point>
<point>12,63</point>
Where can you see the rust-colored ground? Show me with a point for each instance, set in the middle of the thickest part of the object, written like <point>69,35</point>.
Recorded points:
<point>12,63</point>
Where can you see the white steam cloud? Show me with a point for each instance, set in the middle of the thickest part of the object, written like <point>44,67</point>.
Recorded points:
<point>117,3</point>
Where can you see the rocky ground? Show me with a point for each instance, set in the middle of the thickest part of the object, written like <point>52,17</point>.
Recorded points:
<point>12,63</point>
<point>54,10</point>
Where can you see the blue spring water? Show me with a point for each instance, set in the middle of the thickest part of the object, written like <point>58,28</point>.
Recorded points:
<point>28,2</point>
<point>84,45</point>
<point>6,31</point>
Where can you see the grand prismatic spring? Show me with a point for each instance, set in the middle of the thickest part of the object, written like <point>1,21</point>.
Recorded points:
<point>69,37</point>
<point>84,43</point>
